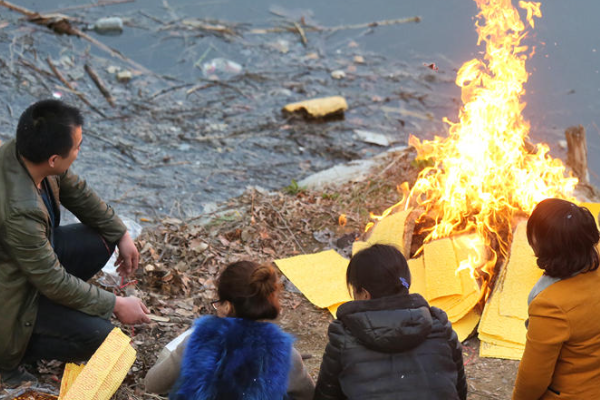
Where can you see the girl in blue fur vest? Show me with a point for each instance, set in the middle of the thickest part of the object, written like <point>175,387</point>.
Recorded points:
<point>236,354</point>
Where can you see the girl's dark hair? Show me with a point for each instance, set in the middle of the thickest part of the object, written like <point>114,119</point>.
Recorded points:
<point>46,128</point>
<point>565,238</point>
<point>380,269</point>
<point>251,288</point>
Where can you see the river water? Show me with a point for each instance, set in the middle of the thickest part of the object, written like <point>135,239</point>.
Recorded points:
<point>151,155</point>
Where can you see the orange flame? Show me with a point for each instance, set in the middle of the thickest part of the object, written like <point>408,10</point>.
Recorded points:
<point>485,173</point>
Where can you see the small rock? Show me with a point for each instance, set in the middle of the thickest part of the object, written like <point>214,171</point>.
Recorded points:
<point>113,69</point>
<point>338,74</point>
<point>359,59</point>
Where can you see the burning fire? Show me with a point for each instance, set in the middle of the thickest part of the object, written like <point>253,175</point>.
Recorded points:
<point>485,172</point>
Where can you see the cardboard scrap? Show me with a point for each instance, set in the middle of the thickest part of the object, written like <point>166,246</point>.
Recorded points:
<point>321,277</point>
<point>318,108</point>
<point>104,372</point>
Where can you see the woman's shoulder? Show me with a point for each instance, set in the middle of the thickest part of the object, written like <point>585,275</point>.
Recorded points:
<point>570,293</point>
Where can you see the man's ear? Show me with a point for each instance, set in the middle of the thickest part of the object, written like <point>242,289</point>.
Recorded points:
<point>52,160</point>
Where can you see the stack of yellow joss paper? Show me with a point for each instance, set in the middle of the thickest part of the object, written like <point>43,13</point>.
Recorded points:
<point>100,378</point>
<point>437,277</point>
<point>321,277</point>
<point>502,329</point>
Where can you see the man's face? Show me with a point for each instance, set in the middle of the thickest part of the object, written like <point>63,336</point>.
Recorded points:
<point>61,164</point>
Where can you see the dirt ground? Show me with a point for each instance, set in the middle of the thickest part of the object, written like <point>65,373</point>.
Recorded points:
<point>180,260</point>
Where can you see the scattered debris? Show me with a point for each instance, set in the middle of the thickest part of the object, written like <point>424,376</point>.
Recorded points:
<point>124,76</point>
<point>359,59</point>
<point>108,26</point>
<point>219,67</point>
<point>338,74</point>
<point>372,137</point>
<point>431,66</point>
<point>319,108</point>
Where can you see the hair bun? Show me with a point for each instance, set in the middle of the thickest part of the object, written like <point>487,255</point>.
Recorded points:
<point>263,280</point>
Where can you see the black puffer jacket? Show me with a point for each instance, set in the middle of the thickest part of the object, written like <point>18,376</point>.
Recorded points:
<point>393,347</point>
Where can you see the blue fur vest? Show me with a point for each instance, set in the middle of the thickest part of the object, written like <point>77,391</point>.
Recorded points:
<point>234,358</point>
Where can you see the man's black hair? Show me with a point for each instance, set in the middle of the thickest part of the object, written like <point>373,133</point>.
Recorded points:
<point>45,128</point>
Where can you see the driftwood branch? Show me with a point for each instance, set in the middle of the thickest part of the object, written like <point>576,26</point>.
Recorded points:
<point>308,28</point>
<point>97,4</point>
<point>61,24</point>
<point>70,86</point>
<point>99,84</point>
<point>577,153</point>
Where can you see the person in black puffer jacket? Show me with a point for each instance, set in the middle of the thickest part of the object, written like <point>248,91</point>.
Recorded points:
<point>387,343</point>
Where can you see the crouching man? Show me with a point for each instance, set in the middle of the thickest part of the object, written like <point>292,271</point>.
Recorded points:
<point>47,309</point>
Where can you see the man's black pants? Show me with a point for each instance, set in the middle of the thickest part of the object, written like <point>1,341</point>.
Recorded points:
<point>61,333</point>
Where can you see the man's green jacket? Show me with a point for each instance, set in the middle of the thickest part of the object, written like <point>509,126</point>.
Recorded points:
<point>28,264</point>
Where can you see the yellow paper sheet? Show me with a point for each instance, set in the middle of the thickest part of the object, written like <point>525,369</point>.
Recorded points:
<point>440,269</point>
<point>497,351</point>
<point>466,325</point>
<point>321,277</point>
<point>522,273</point>
<point>333,309</point>
<point>594,209</point>
<point>417,276</point>
<point>69,376</point>
<point>494,324</point>
<point>390,230</point>
<point>458,306</point>
<point>105,371</point>
<point>359,245</point>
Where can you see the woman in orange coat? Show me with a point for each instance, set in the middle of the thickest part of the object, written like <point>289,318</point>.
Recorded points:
<point>562,353</point>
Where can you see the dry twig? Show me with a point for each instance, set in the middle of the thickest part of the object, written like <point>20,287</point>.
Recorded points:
<point>99,84</point>
<point>101,3</point>
<point>61,24</point>
<point>262,31</point>
<point>70,86</point>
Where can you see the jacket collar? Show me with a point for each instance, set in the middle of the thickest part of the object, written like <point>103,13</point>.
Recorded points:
<point>399,301</point>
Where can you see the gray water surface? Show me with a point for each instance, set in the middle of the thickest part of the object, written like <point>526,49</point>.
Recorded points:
<point>563,90</point>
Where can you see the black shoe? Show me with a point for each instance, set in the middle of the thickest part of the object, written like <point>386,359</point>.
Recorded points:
<point>16,377</point>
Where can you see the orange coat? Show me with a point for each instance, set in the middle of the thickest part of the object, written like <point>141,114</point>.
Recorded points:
<point>562,353</point>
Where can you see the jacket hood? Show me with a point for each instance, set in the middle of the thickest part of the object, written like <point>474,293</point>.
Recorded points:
<point>388,324</point>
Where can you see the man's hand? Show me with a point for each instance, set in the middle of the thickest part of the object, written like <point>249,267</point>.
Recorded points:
<point>127,261</point>
<point>130,310</point>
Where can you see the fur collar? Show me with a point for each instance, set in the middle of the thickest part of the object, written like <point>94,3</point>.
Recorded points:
<point>236,358</point>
